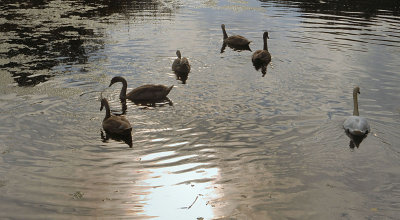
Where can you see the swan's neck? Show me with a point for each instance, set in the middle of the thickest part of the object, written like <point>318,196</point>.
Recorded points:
<point>355,99</point>
<point>225,34</point>
<point>265,44</point>
<point>108,113</point>
<point>123,103</point>
<point>122,94</point>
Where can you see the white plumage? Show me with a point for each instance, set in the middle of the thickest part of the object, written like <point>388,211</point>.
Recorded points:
<point>356,127</point>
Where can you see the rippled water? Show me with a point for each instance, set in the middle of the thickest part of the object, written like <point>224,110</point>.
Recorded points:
<point>234,144</point>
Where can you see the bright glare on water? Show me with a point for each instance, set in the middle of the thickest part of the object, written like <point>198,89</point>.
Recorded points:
<point>231,143</point>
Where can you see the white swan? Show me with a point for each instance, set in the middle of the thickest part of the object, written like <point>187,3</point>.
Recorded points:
<point>355,125</point>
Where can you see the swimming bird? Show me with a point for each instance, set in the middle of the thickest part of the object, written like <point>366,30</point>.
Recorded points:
<point>112,123</point>
<point>148,92</point>
<point>356,127</point>
<point>261,58</point>
<point>181,64</point>
<point>236,42</point>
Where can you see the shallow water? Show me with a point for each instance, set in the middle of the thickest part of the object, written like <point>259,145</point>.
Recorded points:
<point>234,144</point>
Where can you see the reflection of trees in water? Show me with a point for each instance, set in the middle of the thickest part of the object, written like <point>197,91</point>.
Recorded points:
<point>39,35</point>
<point>367,8</point>
<point>126,7</point>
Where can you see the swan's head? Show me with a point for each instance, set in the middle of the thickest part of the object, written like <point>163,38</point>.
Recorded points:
<point>356,90</point>
<point>178,53</point>
<point>222,26</point>
<point>103,103</point>
<point>116,79</point>
<point>265,35</point>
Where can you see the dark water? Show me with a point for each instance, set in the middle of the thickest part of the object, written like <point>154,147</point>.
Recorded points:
<point>234,145</point>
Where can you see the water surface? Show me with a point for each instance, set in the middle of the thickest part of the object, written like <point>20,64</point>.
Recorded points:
<point>234,144</point>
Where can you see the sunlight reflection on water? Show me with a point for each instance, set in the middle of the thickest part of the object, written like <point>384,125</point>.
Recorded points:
<point>172,196</point>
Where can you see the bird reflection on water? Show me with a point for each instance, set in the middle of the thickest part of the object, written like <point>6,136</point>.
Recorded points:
<point>123,107</point>
<point>261,66</point>
<point>355,140</point>
<point>154,103</point>
<point>182,76</point>
<point>126,138</point>
<point>235,47</point>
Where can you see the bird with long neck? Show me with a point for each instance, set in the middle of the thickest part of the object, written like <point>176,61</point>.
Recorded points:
<point>236,42</point>
<point>261,58</point>
<point>148,92</point>
<point>112,123</point>
<point>181,64</point>
<point>356,127</point>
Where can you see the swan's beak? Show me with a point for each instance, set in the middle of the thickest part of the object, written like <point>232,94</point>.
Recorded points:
<point>110,84</point>
<point>101,108</point>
